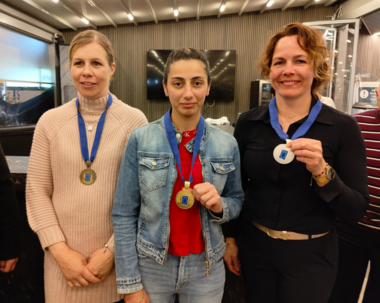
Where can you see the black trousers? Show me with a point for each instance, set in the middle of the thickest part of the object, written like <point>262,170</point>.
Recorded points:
<point>293,271</point>
<point>356,248</point>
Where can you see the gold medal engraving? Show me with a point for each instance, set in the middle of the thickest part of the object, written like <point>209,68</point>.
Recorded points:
<point>88,176</point>
<point>185,198</point>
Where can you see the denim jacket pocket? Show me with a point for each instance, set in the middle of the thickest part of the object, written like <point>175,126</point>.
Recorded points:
<point>220,170</point>
<point>153,172</point>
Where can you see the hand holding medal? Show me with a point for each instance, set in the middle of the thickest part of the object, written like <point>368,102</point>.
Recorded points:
<point>208,196</point>
<point>283,153</point>
<point>310,152</point>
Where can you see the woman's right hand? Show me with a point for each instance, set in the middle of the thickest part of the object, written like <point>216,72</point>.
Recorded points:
<point>72,265</point>
<point>136,297</point>
<point>231,256</point>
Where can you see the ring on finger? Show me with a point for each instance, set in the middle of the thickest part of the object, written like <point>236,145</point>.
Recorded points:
<point>77,284</point>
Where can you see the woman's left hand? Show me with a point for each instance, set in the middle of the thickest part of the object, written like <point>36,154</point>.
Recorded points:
<point>208,196</point>
<point>310,152</point>
<point>100,263</point>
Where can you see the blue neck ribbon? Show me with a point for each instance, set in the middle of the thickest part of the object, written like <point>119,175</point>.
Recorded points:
<point>273,112</point>
<point>98,134</point>
<point>173,142</point>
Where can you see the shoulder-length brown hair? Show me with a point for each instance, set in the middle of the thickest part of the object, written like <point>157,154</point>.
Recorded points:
<point>311,41</point>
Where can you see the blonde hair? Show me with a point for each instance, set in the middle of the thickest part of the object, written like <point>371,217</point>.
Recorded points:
<point>89,36</point>
<point>311,41</point>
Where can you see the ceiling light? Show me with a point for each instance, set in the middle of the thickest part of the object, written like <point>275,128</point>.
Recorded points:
<point>222,7</point>
<point>85,20</point>
<point>349,56</point>
<point>340,62</point>
<point>130,16</point>
<point>348,41</point>
<point>176,12</point>
<point>376,34</point>
<point>55,1</point>
<point>269,4</point>
<point>335,51</point>
<point>316,0</point>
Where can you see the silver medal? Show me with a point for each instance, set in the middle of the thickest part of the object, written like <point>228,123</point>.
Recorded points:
<point>283,154</point>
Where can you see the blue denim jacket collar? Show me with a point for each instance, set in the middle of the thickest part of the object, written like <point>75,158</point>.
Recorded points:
<point>190,145</point>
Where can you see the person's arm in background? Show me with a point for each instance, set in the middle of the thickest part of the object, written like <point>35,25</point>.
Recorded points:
<point>9,219</point>
<point>231,228</point>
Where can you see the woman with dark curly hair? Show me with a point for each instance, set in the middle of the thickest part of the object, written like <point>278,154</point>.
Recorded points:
<point>300,170</point>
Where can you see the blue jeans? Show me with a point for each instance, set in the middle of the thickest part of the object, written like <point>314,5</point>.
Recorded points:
<point>185,276</point>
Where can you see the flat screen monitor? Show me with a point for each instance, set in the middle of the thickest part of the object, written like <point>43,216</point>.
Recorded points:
<point>222,65</point>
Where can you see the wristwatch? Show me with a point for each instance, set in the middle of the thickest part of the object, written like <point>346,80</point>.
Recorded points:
<point>329,174</point>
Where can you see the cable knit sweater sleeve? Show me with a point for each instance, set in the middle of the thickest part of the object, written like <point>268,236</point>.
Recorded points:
<point>39,189</point>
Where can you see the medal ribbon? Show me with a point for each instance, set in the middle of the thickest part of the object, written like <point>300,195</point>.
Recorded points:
<point>273,112</point>
<point>98,134</point>
<point>173,142</point>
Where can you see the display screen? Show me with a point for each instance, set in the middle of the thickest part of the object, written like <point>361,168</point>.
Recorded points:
<point>222,66</point>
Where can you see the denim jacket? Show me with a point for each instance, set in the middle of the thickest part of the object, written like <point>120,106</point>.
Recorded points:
<point>147,175</point>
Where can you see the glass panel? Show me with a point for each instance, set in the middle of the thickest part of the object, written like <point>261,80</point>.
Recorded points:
<point>24,58</point>
<point>24,103</point>
<point>27,78</point>
<point>340,36</point>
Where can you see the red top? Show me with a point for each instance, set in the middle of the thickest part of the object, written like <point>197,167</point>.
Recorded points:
<point>185,224</point>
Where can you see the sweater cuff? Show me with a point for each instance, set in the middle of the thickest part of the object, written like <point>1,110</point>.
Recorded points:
<point>50,235</point>
<point>111,242</point>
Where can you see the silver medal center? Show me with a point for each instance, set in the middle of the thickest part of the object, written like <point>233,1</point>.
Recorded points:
<point>283,154</point>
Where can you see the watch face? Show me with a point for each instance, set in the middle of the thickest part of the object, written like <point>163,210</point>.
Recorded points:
<point>330,173</point>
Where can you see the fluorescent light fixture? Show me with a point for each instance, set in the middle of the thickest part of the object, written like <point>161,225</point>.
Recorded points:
<point>376,34</point>
<point>269,4</point>
<point>130,17</point>
<point>21,84</point>
<point>348,41</point>
<point>85,20</point>
<point>176,12</point>
<point>222,8</point>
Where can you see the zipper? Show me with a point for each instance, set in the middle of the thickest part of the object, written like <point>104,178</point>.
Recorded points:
<point>207,263</point>
<point>167,242</point>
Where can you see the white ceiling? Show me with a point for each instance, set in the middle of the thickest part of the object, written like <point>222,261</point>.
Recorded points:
<point>67,14</point>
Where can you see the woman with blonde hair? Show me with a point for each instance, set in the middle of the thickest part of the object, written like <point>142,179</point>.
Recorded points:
<point>74,163</point>
<point>303,164</point>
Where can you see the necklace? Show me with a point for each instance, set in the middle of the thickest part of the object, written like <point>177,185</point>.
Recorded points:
<point>294,115</point>
<point>91,127</point>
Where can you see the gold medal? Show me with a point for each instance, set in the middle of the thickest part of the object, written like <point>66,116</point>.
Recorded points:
<point>88,176</point>
<point>185,198</point>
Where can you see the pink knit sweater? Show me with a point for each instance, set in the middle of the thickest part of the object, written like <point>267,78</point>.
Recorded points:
<point>59,206</point>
